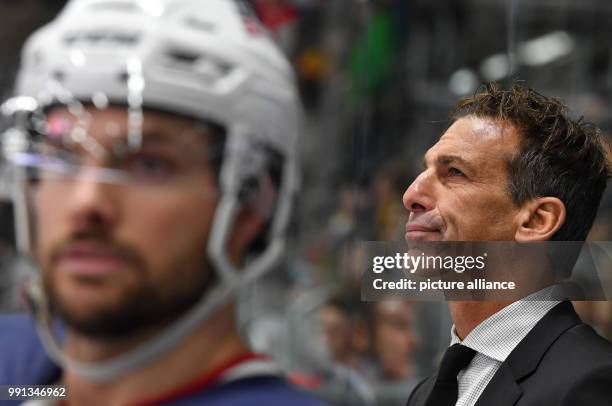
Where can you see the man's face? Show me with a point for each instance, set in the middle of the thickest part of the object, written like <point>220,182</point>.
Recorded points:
<point>394,338</point>
<point>337,332</point>
<point>462,194</point>
<point>126,251</point>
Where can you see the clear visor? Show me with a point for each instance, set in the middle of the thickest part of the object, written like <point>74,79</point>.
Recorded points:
<point>141,151</point>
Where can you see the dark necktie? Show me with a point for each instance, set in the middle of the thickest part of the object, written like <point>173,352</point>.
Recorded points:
<point>445,390</point>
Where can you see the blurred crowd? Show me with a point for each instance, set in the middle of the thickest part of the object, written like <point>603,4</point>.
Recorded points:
<point>377,79</point>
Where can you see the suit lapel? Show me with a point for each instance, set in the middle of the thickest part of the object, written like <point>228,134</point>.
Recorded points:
<point>502,390</point>
<point>505,386</point>
<point>528,353</point>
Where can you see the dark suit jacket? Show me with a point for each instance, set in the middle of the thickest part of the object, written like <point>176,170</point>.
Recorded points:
<point>562,361</point>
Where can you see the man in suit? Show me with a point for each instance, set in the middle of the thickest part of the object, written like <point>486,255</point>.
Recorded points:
<point>513,166</point>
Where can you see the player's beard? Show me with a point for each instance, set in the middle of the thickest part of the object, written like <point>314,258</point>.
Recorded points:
<point>143,307</point>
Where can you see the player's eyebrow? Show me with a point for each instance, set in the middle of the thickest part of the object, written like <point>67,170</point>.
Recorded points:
<point>157,137</point>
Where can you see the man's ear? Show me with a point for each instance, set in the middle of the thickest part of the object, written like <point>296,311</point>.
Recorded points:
<point>252,219</point>
<point>540,219</point>
<point>249,224</point>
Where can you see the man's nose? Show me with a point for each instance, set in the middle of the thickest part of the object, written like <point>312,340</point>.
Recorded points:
<point>91,202</point>
<point>419,195</point>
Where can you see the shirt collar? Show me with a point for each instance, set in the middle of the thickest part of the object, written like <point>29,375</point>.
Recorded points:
<point>497,336</point>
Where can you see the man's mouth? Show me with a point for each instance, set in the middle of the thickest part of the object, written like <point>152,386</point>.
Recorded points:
<point>419,232</point>
<point>90,259</point>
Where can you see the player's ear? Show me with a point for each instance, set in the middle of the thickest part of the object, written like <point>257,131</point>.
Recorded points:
<point>539,219</point>
<point>247,227</point>
<point>252,218</point>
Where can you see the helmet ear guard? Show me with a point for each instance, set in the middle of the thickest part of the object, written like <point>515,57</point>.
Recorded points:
<point>247,181</point>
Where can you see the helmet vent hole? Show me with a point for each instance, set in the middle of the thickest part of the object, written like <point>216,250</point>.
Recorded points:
<point>123,77</point>
<point>184,57</point>
<point>58,75</point>
<point>116,5</point>
<point>201,25</point>
<point>103,37</point>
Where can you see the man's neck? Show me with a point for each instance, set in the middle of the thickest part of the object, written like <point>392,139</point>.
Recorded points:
<point>467,315</point>
<point>208,348</point>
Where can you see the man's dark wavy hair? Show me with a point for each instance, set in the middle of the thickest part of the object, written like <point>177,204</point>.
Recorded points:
<point>559,156</point>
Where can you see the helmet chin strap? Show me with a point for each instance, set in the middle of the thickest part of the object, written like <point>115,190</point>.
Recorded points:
<point>231,281</point>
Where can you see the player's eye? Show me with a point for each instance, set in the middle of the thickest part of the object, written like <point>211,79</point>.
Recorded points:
<point>150,167</point>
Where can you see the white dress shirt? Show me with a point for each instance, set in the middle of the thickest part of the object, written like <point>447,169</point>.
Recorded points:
<point>495,338</point>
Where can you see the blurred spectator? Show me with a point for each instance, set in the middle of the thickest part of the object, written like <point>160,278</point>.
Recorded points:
<point>311,66</point>
<point>394,339</point>
<point>344,335</point>
<point>394,342</point>
<point>345,331</point>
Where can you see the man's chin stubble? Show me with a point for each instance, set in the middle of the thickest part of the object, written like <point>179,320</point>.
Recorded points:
<point>143,309</point>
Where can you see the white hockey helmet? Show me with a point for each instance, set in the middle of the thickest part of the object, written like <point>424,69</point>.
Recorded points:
<point>206,59</point>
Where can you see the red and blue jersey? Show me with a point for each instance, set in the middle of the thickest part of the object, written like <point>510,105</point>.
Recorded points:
<point>247,379</point>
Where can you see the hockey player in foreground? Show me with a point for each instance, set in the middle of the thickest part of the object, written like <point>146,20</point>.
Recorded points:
<point>155,143</point>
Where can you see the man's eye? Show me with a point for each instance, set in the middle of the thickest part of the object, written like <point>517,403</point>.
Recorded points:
<point>454,172</point>
<point>150,167</point>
